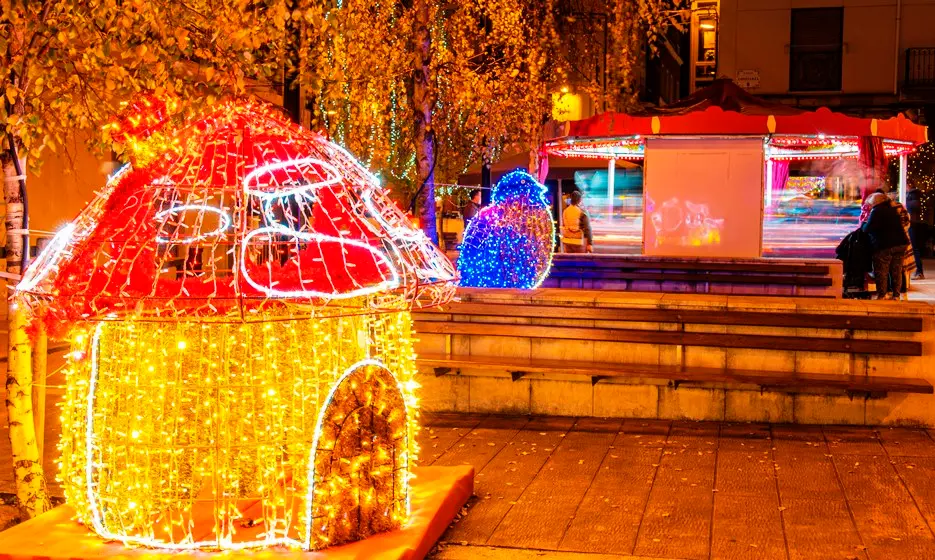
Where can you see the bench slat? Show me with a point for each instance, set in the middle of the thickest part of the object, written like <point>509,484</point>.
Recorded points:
<point>718,340</point>
<point>737,318</point>
<point>777,380</point>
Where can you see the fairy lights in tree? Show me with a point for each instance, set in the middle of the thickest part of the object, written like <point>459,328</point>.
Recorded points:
<point>242,372</point>
<point>787,147</point>
<point>921,173</point>
<point>509,244</point>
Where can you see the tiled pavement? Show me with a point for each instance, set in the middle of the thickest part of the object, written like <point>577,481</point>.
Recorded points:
<point>924,290</point>
<point>659,489</point>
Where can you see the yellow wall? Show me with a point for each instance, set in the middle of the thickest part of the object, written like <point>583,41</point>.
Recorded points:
<point>755,35</point>
<point>64,185</point>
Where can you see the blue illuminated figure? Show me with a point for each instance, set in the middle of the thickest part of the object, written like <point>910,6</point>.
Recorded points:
<point>509,243</point>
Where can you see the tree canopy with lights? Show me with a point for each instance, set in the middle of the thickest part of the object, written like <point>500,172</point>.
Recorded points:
<point>417,89</point>
<point>68,66</point>
<point>421,90</point>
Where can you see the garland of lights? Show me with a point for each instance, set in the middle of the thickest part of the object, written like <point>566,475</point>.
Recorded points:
<point>509,244</point>
<point>782,147</point>
<point>242,367</point>
<point>921,173</point>
<point>632,148</point>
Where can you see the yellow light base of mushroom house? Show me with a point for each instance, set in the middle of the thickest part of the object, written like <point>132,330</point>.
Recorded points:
<point>237,435</point>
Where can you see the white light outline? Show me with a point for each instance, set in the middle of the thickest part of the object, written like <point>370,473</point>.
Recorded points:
<point>310,496</point>
<point>312,236</point>
<point>47,259</point>
<point>305,191</point>
<point>225,222</point>
<point>96,520</point>
<point>300,189</point>
<point>118,173</point>
<point>437,271</point>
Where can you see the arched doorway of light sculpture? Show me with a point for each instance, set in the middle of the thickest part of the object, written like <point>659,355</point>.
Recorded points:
<point>359,463</point>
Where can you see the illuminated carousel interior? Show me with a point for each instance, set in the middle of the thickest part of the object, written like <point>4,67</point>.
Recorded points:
<point>812,193</point>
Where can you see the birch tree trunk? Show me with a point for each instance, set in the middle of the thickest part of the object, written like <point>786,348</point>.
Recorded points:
<point>423,101</point>
<point>27,468</point>
<point>40,357</point>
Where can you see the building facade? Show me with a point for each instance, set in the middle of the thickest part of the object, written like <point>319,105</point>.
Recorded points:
<point>864,56</point>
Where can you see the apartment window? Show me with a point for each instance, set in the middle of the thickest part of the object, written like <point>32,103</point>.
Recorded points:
<point>703,44</point>
<point>815,49</point>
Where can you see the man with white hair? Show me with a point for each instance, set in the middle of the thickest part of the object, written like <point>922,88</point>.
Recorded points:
<point>890,242</point>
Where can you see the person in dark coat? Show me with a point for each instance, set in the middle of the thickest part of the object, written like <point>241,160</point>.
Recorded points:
<point>856,252</point>
<point>917,229</point>
<point>890,242</point>
<point>471,208</point>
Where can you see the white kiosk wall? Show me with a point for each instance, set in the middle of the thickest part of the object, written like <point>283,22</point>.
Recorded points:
<point>703,197</point>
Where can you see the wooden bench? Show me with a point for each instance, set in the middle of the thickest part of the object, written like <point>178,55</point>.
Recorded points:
<point>469,319</point>
<point>640,273</point>
<point>598,371</point>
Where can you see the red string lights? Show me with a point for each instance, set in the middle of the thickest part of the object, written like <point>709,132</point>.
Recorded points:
<point>243,211</point>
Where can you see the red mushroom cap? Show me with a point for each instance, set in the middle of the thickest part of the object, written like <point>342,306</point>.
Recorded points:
<point>247,213</point>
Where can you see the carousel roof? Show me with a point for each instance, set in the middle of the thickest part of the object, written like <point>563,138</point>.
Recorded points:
<point>727,109</point>
<point>241,212</point>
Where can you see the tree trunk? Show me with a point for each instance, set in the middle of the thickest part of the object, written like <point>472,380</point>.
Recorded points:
<point>40,362</point>
<point>292,81</point>
<point>27,468</point>
<point>423,101</point>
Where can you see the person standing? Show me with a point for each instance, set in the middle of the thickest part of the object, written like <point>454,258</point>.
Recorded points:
<point>917,229</point>
<point>889,241</point>
<point>865,208</point>
<point>471,208</point>
<point>576,227</point>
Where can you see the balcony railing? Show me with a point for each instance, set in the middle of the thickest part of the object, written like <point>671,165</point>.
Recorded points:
<point>920,67</point>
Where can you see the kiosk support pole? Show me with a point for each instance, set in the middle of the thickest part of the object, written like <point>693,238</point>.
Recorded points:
<point>769,184</point>
<point>903,169</point>
<point>611,167</point>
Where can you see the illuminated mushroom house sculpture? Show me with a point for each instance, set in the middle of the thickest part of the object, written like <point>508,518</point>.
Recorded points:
<point>242,369</point>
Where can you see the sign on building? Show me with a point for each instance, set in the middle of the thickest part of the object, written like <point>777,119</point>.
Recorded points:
<point>748,79</point>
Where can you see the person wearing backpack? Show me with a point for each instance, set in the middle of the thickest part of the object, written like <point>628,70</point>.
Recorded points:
<point>576,227</point>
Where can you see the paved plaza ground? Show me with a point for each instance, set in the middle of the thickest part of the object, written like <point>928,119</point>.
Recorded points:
<point>593,489</point>
<point>596,489</point>
<point>660,489</point>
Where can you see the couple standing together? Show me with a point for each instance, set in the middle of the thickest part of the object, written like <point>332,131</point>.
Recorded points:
<point>888,226</point>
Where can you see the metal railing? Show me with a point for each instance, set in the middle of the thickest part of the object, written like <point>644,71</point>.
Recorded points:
<point>920,67</point>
